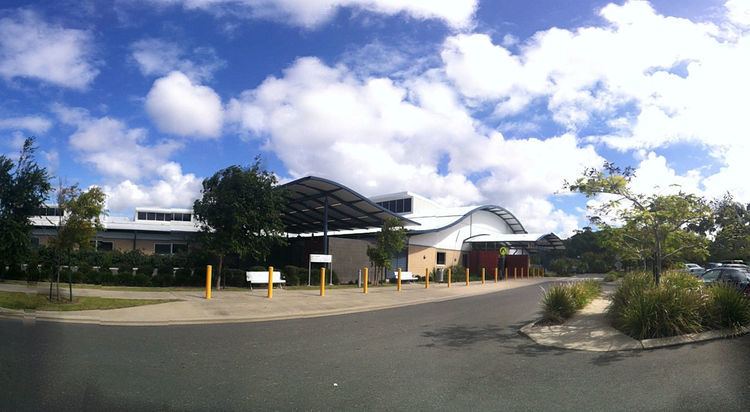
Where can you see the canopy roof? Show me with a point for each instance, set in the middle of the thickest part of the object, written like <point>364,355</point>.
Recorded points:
<point>310,200</point>
<point>529,240</point>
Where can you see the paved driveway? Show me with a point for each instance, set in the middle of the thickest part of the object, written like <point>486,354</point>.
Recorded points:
<point>462,354</point>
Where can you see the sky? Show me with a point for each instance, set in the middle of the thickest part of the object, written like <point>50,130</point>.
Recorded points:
<point>464,101</point>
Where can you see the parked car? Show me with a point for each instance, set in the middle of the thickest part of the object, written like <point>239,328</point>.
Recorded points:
<point>694,269</point>
<point>737,276</point>
<point>711,265</point>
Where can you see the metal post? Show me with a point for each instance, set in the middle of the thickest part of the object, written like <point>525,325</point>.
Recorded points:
<point>514,273</point>
<point>359,278</point>
<point>467,276</point>
<point>322,281</point>
<point>366,280</point>
<point>506,274</point>
<point>496,270</point>
<point>449,277</point>
<point>208,281</point>
<point>426,278</point>
<point>270,282</point>
<point>398,281</point>
<point>483,276</point>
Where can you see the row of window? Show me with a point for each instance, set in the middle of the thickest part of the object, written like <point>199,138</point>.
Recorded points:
<point>398,205</point>
<point>49,211</point>
<point>165,217</point>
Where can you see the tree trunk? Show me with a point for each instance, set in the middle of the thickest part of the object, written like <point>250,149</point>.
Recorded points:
<point>657,263</point>
<point>218,272</point>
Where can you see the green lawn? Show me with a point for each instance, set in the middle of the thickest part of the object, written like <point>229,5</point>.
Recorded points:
<point>25,301</point>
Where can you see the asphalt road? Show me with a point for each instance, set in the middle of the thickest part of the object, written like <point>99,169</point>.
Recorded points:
<point>464,354</point>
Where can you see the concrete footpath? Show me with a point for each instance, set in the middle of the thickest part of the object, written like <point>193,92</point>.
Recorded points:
<point>253,306</point>
<point>590,330</point>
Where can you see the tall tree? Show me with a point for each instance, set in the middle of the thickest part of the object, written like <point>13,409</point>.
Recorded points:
<point>390,241</point>
<point>732,237</point>
<point>240,213</point>
<point>24,186</point>
<point>78,225</point>
<point>666,225</point>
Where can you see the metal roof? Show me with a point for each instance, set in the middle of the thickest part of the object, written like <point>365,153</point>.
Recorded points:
<point>548,241</point>
<point>304,211</point>
<point>503,213</point>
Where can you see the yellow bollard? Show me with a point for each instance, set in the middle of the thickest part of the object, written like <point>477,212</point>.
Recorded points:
<point>467,276</point>
<point>426,278</point>
<point>398,281</point>
<point>483,276</point>
<point>270,282</point>
<point>365,285</point>
<point>449,277</point>
<point>496,270</point>
<point>208,281</point>
<point>322,281</point>
<point>514,273</point>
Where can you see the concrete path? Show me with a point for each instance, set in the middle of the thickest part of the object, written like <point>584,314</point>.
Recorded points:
<point>251,306</point>
<point>590,330</point>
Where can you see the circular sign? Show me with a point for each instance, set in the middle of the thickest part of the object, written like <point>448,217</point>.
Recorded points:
<point>503,251</point>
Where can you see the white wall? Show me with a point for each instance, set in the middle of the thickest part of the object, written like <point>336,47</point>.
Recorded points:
<point>481,222</point>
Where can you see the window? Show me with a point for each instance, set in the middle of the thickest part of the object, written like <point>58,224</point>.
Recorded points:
<point>142,216</point>
<point>104,246</point>
<point>151,216</point>
<point>397,205</point>
<point>732,275</point>
<point>179,247</point>
<point>162,248</point>
<point>711,275</point>
<point>440,258</point>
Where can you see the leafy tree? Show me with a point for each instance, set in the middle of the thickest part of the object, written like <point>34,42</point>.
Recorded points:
<point>664,226</point>
<point>78,225</point>
<point>732,237</point>
<point>24,186</point>
<point>240,213</point>
<point>390,241</point>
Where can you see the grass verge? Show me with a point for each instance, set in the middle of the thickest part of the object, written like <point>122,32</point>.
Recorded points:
<point>25,301</point>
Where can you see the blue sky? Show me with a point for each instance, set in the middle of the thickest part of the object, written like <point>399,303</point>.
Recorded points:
<point>464,101</point>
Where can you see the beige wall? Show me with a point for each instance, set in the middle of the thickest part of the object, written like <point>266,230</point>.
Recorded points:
<point>421,257</point>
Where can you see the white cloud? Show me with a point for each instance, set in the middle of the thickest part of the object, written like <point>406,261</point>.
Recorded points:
<point>642,80</point>
<point>133,171</point>
<point>180,107</point>
<point>34,124</point>
<point>379,136</point>
<point>312,13</point>
<point>171,188</point>
<point>738,12</point>
<point>156,57</point>
<point>32,48</point>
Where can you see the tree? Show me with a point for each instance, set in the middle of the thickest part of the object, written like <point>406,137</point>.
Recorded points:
<point>78,225</point>
<point>24,186</point>
<point>390,241</point>
<point>666,226</point>
<point>732,237</point>
<point>240,213</point>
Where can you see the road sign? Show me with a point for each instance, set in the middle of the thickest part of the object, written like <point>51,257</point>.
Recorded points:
<point>321,258</point>
<point>503,251</point>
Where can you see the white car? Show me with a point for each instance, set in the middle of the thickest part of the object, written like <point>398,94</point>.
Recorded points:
<point>694,269</point>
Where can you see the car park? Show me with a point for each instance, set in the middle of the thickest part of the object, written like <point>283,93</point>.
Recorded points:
<point>737,276</point>
<point>694,269</point>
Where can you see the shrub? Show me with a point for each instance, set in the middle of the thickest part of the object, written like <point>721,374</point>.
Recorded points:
<point>681,280</point>
<point>584,292</point>
<point>643,310</point>
<point>164,276</point>
<point>292,275</point>
<point>106,277</point>
<point>125,276</point>
<point>183,277</point>
<point>140,279</point>
<point>728,308</point>
<point>234,277</point>
<point>558,304</point>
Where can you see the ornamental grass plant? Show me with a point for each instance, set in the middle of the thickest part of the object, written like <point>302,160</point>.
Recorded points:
<point>679,305</point>
<point>561,301</point>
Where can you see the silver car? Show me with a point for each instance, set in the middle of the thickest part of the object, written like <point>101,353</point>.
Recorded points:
<point>694,269</point>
